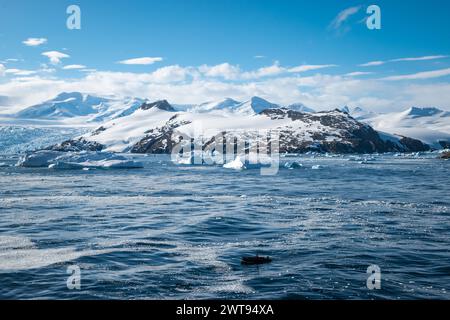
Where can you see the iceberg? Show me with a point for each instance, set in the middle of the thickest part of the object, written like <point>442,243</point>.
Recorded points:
<point>236,164</point>
<point>42,158</point>
<point>82,160</point>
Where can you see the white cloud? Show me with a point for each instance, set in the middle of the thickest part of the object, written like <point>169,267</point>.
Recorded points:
<point>74,67</point>
<point>33,42</point>
<point>224,70</point>
<point>259,57</point>
<point>2,69</point>
<point>19,72</point>
<point>180,84</point>
<point>357,74</point>
<point>420,75</point>
<point>420,58</point>
<point>305,68</point>
<point>424,58</point>
<point>169,74</point>
<point>372,63</point>
<point>274,69</point>
<point>343,16</point>
<point>141,61</point>
<point>55,56</point>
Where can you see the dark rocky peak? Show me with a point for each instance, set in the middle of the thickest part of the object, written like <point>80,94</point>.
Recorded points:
<point>160,104</point>
<point>278,113</point>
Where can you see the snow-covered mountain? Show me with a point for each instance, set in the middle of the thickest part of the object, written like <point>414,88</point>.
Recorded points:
<point>300,107</point>
<point>122,123</point>
<point>154,128</point>
<point>255,105</point>
<point>250,107</point>
<point>86,107</point>
<point>225,104</point>
<point>430,125</point>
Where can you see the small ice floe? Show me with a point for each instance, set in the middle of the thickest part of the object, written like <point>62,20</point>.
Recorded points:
<point>81,160</point>
<point>3,165</point>
<point>293,165</point>
<point>317,167</point>
<point>184,160</point>
<point>236,164</point>
<point>196,158</point>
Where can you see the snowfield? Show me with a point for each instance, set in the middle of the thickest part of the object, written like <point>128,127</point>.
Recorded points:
<point>430,125</point>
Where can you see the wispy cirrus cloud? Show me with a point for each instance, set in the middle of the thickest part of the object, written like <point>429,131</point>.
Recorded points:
<point>34,42</point>
<point>373,63</point>
<point>55,56</point>
<point>141,61</point>
<point>19,72</point>
<point>423,58</point>
<point>311,67</point>
<point>74,67</point>
<point>343,17</point>
<point>357,74</point>
<point>420,75</point>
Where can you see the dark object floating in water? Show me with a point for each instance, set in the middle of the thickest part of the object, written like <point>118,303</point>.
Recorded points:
<point>445,155</point>
<point>255,260</point>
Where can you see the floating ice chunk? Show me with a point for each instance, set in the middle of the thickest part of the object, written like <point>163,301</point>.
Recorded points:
<point>317,167</point>
<point>65,165</point>
<point>3,165</point>
<point>41,158</point>
<point>236,164</point>
<point>185,159</point>
<point>103,164</point>
<point>70,161</point>
<point>113,164</point>
<point>293,165</point>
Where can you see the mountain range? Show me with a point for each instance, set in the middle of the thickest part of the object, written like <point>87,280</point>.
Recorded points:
<point>133,124</point>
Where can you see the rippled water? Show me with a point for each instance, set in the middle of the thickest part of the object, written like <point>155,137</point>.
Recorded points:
<point>170,231</point>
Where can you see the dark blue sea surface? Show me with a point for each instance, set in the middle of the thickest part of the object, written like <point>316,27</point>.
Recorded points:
<point>179,232</point>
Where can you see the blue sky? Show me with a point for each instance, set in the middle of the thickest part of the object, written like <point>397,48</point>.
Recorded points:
<point>188,51</point>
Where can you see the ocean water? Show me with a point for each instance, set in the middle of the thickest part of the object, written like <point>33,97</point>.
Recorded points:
<point>179,232</point>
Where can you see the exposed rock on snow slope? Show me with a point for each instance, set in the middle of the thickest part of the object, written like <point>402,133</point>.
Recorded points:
<point>151,130</point>
<point>160,104</point>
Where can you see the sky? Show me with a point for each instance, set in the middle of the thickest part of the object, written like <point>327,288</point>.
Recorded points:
<point>320,53</point>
